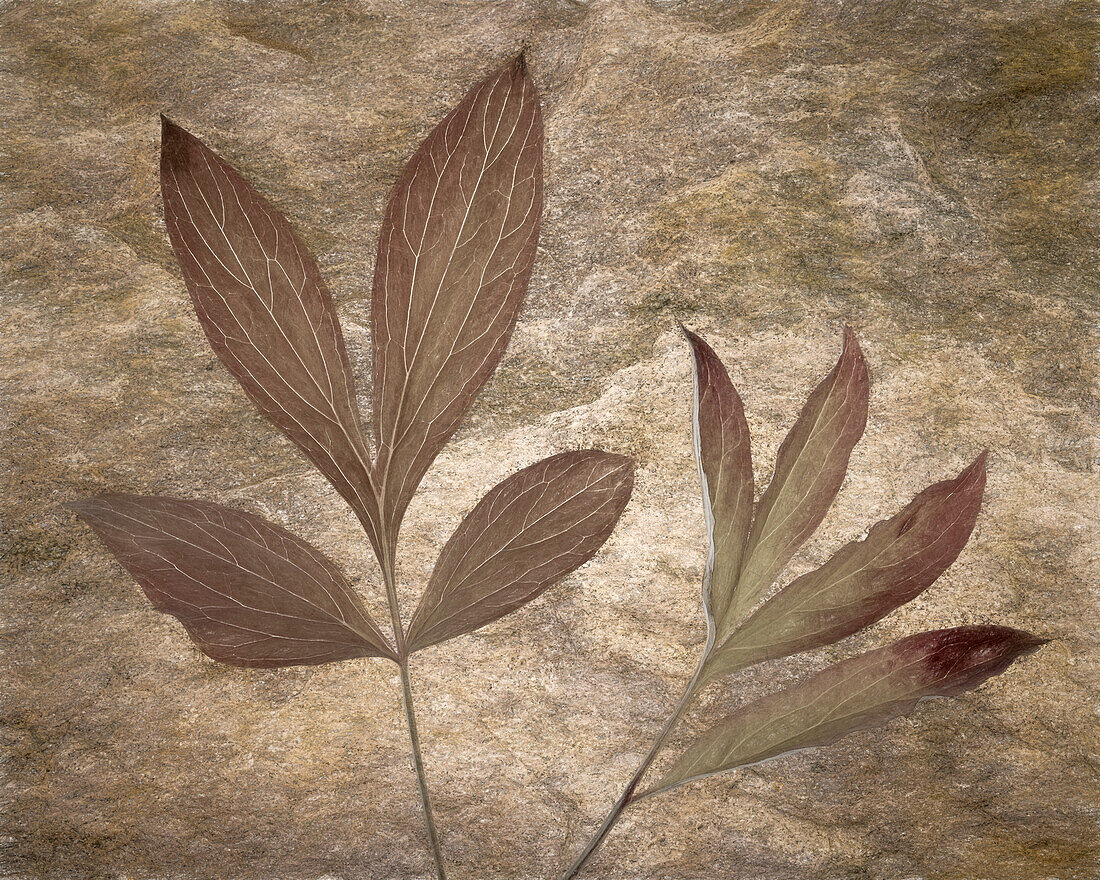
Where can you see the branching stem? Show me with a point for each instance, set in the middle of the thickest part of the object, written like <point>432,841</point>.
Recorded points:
<point>627,797</point>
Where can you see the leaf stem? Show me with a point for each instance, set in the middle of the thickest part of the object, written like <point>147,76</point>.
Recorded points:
<point>627,797</point>
<point>386,563</point>
<point>421,776</point>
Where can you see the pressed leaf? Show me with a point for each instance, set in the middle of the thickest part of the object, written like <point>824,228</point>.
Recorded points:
<point>267,313</point>
<point>862,692</point>
<point>455,254</point>
<point>725,469</point>
<point>899,559</point>
<point>809,469</point>
<point>528,532</point>
<point>248,592</point>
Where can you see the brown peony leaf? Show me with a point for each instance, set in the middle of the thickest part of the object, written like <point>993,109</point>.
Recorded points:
<point>455,254</point>
<point>862,692</point>
<point>809,469</point>
<point>899,559</point>
<point>528,532</point>
<point>725,469</point>
<point>267,313</point>
<point>248,592</point>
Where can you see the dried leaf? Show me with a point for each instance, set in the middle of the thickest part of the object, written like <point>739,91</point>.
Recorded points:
<point>267,313</point>
<point>528,532</point>
<point>248,592</point>
<point>725,469</point>
<point>899,559</point>
<point>862,692</point>
<point>809,469</point>
<point>455,254</point>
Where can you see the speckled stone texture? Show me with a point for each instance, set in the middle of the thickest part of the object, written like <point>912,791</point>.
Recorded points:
<point>763,170</point>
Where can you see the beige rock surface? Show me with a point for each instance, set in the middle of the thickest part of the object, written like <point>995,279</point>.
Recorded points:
<point>763,170</point>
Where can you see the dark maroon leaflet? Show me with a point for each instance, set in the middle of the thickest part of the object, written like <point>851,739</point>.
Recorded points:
<point>454,258</point>
<point>267,313</point>
<point>524,535</point>
<point>248,592</point>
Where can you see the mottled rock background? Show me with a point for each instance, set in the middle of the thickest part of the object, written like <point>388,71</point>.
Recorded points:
<point>764,170</point>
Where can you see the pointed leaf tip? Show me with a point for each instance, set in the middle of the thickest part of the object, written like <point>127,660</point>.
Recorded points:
<point>172,133</point>
<point>520,63</point>
<point>851,352</point>
<point>959,659</point>
<point>976,471</point>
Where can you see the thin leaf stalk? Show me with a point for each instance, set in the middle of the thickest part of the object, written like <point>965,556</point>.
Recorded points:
<point>627,797</point>
<point>421,775</point>
<point>390,580</point>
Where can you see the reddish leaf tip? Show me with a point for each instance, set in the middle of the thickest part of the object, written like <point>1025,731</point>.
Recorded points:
<point>1023,641</point>
<point>85,507</point>
<point>173,142</point>
<point>976,470</point>
<point>623,464</point>
<point>852,359</point>
<point>850,347</point>
<point>626,465</point>
<point>169,129</point>
<point>965,656</point>
<point>699,346</point>
<point>79,507</point>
